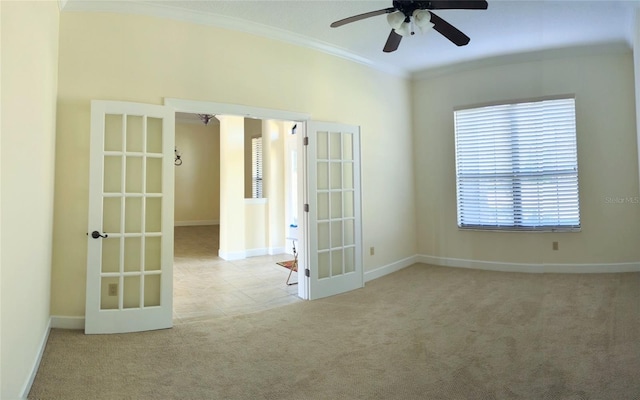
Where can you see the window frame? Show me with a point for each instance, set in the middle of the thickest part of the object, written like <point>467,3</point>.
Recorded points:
<point>518,178</point>
<point>257,168</point>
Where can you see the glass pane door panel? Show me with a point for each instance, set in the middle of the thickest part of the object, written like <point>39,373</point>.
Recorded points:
<point>108,302</point>
<point>324,265</point>
<point>154,175</point>
<point>110,255</point>
<point>134,175</point>
<point>347,175</point>
<point>111,214</point>
<point>152,252</point>
<point>336,205</point>
<point>154,135</point>
<point>336,233</point>
<point>336,175</point>
<point>323,206</point>
<point>347,147</point>
<point>112,174</point>
<point>132,251</point>
<point>133,215</point>
<point>323,176</point>
<point>349,232</point>
<point>336,262</point>
<point>153,217</point>
<point>323,235</point>
<point>335,143</point>
<point>323,146</point>
<point>113,132</point>
<point>348,209</point>
<point>151,290</point>
<point>131,293</point>
<point>349,259</point>
<point>135,135</point>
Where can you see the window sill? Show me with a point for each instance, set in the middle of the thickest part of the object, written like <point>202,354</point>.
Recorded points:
<point>520,230</point>
<point>256,201</point>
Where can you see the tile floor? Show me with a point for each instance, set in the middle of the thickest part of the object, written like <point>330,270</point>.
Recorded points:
<point>206,286</point>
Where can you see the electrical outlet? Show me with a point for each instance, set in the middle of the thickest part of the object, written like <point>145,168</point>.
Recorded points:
<point>113,289</point>
<point>555,245</point>
<point>372,251</point>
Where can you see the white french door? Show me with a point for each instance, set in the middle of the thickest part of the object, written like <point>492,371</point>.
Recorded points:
<point>130,232</point>
<point>334,222</point>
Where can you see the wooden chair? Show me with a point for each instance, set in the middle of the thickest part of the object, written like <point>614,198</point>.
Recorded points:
<point>294,266</point>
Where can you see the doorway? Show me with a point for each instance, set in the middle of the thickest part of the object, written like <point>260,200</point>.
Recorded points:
<point>205,284</point>
<point>137,164</point>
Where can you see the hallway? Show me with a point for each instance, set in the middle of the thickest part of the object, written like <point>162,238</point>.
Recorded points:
<point>206,286</point>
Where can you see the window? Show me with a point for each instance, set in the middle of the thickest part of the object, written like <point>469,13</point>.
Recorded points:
<point>516,166</point>
<point>256,168</point>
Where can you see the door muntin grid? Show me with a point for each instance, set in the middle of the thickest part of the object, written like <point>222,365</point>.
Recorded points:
<point>131,212</point>
<point>335,211</point>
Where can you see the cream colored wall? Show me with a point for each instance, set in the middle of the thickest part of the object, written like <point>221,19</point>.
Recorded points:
<point>232,208</point>
<point>144,59</point>
<point>607,160</point>
<point>29,32</point>
<point>197,180</point>
<point>256,234</point>
<point>264,218</point>
<point>274,148</point>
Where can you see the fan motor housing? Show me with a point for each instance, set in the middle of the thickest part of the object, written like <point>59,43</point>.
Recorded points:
<point>407,7</point>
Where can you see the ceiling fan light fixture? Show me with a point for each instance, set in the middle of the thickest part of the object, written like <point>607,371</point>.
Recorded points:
<point>422,19</point>
<point>396,19</point>
<point>405,29</point>
<point>405,16</point>
<point>205,118</point>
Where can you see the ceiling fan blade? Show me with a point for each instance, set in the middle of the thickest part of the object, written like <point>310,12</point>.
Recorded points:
<point>362,16</point>
<point>458,5</point>
<point>449,31</point>
<point>393,41</point>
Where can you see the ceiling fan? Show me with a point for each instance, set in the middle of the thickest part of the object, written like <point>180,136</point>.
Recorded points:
<point>406,15</point>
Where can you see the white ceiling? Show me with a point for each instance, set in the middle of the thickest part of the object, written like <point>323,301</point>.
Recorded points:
<point>506,27</point>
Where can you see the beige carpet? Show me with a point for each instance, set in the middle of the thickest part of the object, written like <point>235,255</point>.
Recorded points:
<point>421,333</point>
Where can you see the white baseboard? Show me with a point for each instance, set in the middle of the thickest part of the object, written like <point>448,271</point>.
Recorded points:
<point>389,268</point>
<point>239,255</point>
<point>36,363</point>
<point>256,252</point>
<point>197,223</point>
<point>530,268</point>
<point>231,256</point>
<point>277,250</point>
<point>65,322</point>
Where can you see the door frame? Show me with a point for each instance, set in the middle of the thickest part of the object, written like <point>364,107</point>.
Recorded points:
<point>207,107</point>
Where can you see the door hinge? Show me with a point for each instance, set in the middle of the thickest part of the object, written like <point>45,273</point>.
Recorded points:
<point>307,273</point>
<point>305,141</point>
<point>306,208</point>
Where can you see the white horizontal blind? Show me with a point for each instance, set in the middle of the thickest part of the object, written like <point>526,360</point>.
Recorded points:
<point>517,167</point>
<point>256,167</point>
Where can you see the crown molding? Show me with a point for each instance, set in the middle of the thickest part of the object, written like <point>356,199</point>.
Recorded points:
<point>158,9</point>
<point>541,55</point>
<point>635,30</point>
<point>633,26</point>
